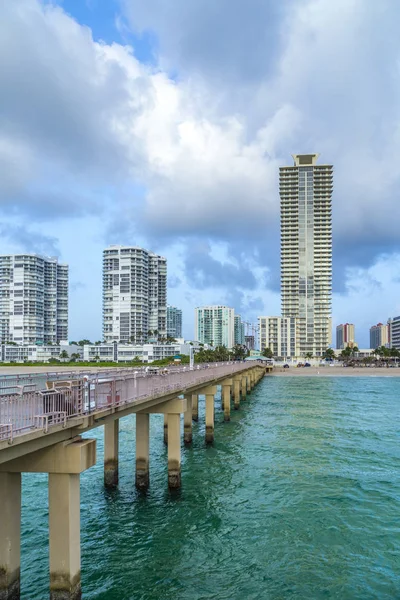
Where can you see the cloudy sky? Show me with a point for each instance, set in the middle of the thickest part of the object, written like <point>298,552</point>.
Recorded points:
<point>163,123</point>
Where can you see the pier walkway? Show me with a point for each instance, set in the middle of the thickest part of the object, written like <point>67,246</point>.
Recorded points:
<point>42,418</point>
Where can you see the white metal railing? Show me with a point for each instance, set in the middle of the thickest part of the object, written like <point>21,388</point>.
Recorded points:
<point>40,401</point>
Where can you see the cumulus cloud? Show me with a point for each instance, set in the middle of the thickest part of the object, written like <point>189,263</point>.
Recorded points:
<point>189,148</point>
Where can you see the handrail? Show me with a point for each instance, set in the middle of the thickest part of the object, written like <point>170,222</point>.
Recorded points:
<point>37,402</point>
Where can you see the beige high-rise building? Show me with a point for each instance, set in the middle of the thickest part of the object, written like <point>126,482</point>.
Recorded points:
<point>345,336</point>
<point>306,250</point>
<point>279,335</point>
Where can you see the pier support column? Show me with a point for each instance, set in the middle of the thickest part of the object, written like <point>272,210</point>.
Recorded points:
<point>195,407</point>
<point>226,395</point>
<point>165,429</point>
<point>187,421</point>
<point>64,528</point>
<point>209,418</point>
<point>236,393</point>
<point>174,450</point>
<point>142,478</point>
<point>10,535</point>
<point>111,445</point>
<point>63,462</point>
<point>244,387</point>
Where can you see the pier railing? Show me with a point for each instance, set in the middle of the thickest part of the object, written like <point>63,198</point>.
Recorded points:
<point>42,400</point>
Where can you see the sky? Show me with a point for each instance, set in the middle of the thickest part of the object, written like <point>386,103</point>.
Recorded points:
<point>163,124</point>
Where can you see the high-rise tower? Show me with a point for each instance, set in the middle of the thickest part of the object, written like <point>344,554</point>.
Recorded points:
<point>134,294</point>
<point>33,299</point>
<point>306,250</point>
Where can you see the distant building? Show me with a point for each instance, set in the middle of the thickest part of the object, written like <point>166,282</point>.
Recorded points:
<point>134,294</point>
<point>250,342</point>
<point>345,336</point>
<point>215,325</point>
<point>279,334</point>
<point>174,322</point>
<point>395,332</point>
<point>146,353</point>
<point>379,335</point>
<point>33,353</point>
<point>306,250</point>
<point>239,337</point>
<point>33,299</point>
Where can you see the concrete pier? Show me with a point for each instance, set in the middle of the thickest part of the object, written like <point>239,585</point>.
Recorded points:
<point>64,530</point>
<point>226,395</point>
<point>10,535</point>
<point>111,446</point>
<point>187,421</point>
<point>174,451</point>
<point>195,407</point>
<point>142,477</point>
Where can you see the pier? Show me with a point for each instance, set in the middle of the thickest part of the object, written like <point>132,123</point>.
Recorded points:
<point>42,419</point>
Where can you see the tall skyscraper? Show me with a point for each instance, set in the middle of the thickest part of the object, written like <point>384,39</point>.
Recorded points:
<point>345,336</point>
<point>379,335</point>
<point>239,331</point>
<point>33,299</point>
<point>174,322</point>
<point>306,250</point>
<point>134,294</point>
<point>215,325</point>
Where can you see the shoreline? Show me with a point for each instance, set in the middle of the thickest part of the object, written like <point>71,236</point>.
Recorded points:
<point>335,372</point>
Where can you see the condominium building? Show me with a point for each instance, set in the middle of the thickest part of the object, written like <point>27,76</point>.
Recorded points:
<point>174,322</point>
<point>134,294</point>
<point>33,299</point>
<point>395,332</point>
<point>345,336</point>
<point>279,334</point>
<point>379,335</point>
<point>306,250</point>
<point>215,325</point>
<point>239,337</point>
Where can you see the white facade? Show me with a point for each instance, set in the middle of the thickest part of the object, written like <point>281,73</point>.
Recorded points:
<point>32,353</point>
<point>147,353</point>
<point>134,294</point>
<point>279,334</point>
<point>306,250</point>
<point>174,322</point>
<point>33,299</point>
<point>395,333</point>
<point>215,325</point>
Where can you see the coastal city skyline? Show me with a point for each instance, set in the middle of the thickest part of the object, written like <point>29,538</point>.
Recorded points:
<point>220,236</point>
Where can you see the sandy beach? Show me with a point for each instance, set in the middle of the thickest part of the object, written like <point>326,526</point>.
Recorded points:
<point>336,371</point>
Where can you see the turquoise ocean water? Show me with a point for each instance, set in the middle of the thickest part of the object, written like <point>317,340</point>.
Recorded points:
<point>298,498</point>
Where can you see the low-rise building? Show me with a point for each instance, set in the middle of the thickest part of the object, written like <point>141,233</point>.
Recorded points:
<point>11,353</point>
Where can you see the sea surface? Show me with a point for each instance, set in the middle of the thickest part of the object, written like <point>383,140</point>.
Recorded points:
<point>299,497</point>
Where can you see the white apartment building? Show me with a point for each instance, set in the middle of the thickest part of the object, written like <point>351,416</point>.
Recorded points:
<point>147,353</point>
<point>33,299</point>
<point>279,335</point>
<point>395,332</point>
<point>134,294</point>
<point>306,250</point>
<point>33,353</point>
<point>174,322</point>
<point>215,325</point>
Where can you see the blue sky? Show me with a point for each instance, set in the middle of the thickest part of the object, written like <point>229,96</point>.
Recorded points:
<point>163,124</point>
